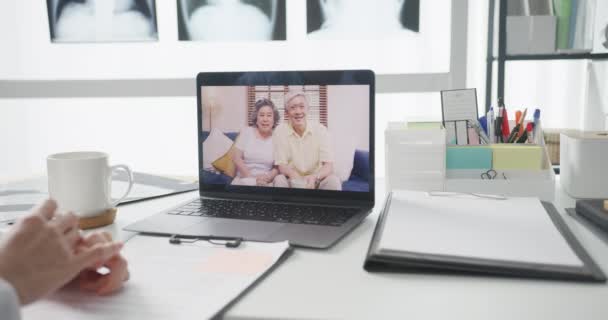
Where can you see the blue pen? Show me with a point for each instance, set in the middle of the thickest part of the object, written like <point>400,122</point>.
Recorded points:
<point>536,130</point>
<point>484,124</point>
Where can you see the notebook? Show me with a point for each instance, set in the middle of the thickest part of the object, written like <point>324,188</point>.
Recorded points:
<point>197,280</point>
<point>482,234</point>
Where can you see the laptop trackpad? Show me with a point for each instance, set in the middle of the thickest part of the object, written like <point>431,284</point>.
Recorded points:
<point>246,229</point>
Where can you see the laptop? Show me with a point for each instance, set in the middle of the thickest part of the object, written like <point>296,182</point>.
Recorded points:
<point>285,155</point>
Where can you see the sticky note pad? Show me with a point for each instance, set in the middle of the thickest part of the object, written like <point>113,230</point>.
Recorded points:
<point>517,157</point>
<point>468,157</point>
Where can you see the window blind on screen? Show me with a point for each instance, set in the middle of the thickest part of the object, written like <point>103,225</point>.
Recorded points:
<point>315,94</point>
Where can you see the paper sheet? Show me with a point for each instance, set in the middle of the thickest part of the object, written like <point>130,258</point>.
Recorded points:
<point>516,229</point>
<point>459,104</point>
<point>186,281</point>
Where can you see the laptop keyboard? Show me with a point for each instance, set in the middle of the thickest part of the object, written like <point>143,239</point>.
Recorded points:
<point>267,211</point>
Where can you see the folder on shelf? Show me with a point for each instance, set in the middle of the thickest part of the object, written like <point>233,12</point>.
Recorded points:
<point>477,234</point>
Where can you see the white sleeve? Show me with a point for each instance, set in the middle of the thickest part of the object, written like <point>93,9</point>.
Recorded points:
<point>9,302</point>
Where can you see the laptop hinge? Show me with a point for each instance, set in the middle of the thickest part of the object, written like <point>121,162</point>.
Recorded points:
<point>288,199</point>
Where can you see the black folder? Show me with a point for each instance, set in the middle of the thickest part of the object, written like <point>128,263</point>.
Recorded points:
<point>407,261</point>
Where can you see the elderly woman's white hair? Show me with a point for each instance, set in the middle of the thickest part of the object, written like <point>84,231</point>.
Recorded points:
<point>292,93</point>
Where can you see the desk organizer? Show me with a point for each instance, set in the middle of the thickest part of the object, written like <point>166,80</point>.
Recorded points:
<point>416,160</point>
<point>518,183</point>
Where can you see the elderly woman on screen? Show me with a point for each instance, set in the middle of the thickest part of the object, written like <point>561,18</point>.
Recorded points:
<point>253,151</point>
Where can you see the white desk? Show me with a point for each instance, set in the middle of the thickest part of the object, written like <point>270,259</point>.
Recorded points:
<point>331,284</point>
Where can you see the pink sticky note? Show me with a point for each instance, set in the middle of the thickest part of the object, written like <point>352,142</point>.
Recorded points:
<point>473,136</point>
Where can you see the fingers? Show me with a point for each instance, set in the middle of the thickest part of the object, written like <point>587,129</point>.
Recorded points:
<point>117,276</point>
<point>66,222</point>
<point>73,237</point>
<point>47,209</point>
<point>91,280</point>
<point>97,254</point>
<point>97,237</point>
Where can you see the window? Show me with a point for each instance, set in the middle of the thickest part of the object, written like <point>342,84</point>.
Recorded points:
<point>316,96</point>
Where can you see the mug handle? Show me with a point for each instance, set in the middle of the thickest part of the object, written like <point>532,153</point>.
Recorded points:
<point>129,175</point>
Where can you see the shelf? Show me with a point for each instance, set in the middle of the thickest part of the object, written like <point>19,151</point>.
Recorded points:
<point>556,56</point>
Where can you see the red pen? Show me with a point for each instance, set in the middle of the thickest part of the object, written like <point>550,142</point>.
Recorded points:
<point>506,131</point>
<point>530,129</point>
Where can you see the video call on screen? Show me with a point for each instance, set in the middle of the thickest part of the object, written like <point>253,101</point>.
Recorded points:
<point>289,136</point>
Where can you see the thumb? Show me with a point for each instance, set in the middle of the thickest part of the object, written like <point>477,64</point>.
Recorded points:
<point>97,254</point>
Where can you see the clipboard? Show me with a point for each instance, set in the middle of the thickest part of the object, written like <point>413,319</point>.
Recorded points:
<point>420,262</point>
<point>170,277</point>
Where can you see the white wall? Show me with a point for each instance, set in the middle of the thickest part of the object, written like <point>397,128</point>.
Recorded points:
<point>348,115</point>
<point>231,114</point>
<point>170,58</point>
<point>149,134</point>
<point>8,27</point>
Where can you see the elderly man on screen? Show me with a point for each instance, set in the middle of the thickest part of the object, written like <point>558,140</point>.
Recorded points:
<point>301,149</point>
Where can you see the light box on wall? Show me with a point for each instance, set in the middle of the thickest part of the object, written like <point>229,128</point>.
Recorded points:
<point>413,45</point>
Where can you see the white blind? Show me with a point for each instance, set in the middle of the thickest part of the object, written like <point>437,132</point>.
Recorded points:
<point>316,95</point>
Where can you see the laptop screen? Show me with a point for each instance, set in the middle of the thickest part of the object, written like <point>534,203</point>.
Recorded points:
<point>304,136</point>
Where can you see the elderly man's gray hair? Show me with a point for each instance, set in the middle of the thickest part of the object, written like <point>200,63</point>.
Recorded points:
<point>291,94</point>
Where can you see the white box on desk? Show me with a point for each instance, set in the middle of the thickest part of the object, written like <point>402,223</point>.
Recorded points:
<point>415,158</point>
<point>583,164</point>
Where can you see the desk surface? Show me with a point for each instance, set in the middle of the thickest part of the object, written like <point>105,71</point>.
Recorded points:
<point>331,284</point>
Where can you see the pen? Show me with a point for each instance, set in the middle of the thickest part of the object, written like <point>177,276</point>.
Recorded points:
<point>513,135</point>
<point>482,135</point>
<point>521,121</point>
<point>490,124</point>
<point>484,123</point>
<point>536,125</point>
<point>498,125</point>
<point>523,137</point>
<point>505,124</point>
<point>530,129</point>
<point>517,116</point>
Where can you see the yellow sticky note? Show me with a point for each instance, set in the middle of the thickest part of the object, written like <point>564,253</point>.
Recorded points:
<point>517,157</point>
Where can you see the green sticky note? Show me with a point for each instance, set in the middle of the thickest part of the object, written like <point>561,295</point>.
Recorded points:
<point>468,157</point>
<point>517,157</point>
<point>424,125</point>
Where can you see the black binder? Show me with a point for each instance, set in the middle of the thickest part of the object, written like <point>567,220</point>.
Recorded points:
<point>435,263</point>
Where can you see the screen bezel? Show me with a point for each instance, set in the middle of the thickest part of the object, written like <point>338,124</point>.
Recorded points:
<point>338,77</point>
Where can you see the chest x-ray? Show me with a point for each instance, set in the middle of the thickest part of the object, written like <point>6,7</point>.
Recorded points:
<point>362,19</point>
<point>102,20</point>
<point>231,20</point>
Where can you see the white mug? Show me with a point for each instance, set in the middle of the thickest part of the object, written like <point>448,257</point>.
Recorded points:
<point>81,182</point>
